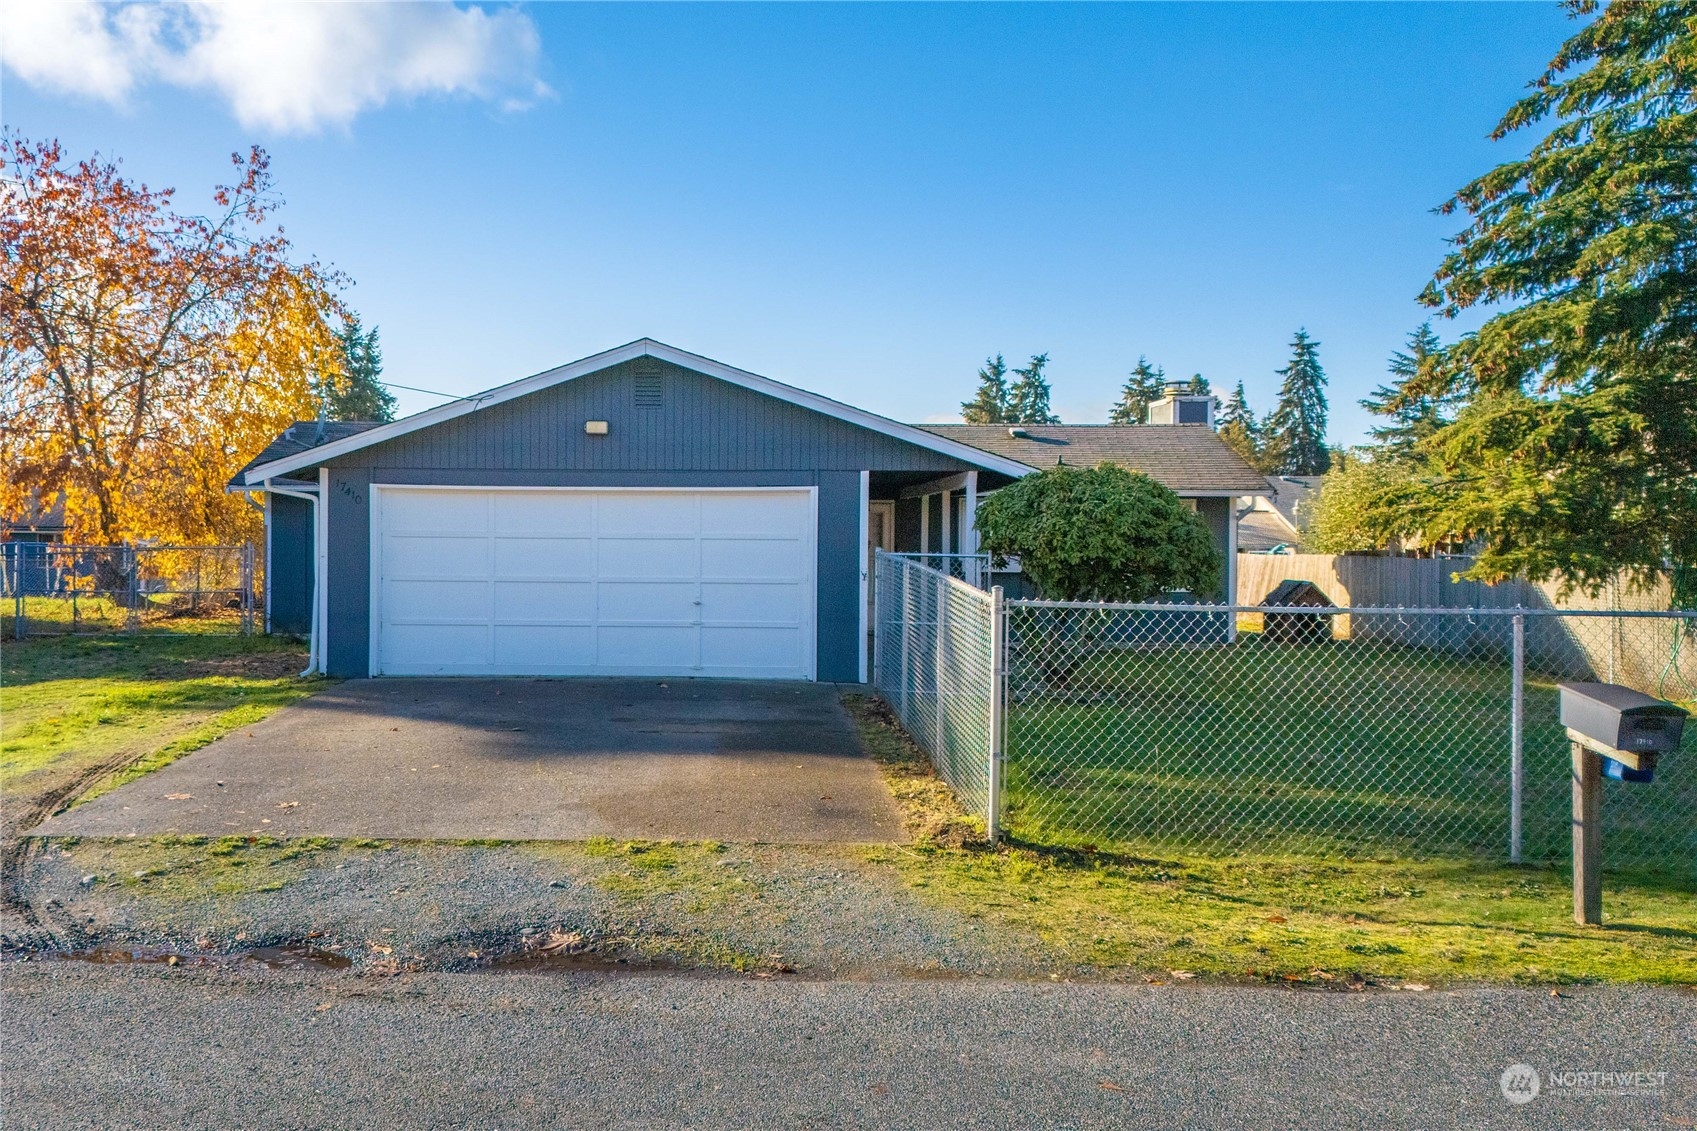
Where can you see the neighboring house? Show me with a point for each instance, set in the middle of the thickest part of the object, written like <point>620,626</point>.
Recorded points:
<point>28,562</point>
<point>36,524</point>
<point>1274,520</point>
<point>644,511</point>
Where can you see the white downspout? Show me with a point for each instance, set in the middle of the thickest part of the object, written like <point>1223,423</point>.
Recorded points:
<point>314,656</point>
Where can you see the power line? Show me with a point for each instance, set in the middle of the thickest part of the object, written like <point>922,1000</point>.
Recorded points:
<point>430,392</point>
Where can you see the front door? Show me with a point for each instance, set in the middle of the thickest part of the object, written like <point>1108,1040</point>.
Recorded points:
<point>880,535</point>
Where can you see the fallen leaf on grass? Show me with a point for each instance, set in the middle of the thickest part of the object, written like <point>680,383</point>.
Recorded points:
<point>1109,1086</point>
<point>1182,975</point>
<point>1277,919</point>
<point>178,796</point>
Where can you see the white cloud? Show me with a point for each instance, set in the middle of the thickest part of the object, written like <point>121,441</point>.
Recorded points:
<point>284,66</point>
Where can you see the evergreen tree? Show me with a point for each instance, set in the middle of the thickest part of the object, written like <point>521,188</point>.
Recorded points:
<point>990,404</point>
<point>1143,385</point>
<point>1028,400</point>
<point>1296,430</point>
<point>1412,415</point>
<point>1576,455</point>
<point>1240,429</point>
<point>355,393</point>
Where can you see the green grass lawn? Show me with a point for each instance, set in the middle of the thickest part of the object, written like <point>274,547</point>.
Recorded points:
<point>1320,919</point>
<point>69,705</point>
<point>158,613</point>
<point>1329,748</point>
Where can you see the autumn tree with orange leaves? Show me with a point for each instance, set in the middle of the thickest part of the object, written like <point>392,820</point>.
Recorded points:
<point>147,353</point>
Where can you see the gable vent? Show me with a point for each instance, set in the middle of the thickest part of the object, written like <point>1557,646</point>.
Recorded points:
<point>649,391</point>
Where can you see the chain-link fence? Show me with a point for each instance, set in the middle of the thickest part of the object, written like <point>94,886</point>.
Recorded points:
<point>934,657</point>
<point>51,589</point>
<point>1314,729</point>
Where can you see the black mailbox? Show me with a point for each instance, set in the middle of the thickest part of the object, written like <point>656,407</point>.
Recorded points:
<point>1614,718</point>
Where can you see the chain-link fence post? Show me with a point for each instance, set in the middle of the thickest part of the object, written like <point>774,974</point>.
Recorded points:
<point>998,711</point>
<point>1517,739</point>
<point>18,613</point>
<point>132,589</point>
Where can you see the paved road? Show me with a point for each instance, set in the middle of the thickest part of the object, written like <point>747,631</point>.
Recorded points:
<point>154,1048</point>
<point>524,759</point>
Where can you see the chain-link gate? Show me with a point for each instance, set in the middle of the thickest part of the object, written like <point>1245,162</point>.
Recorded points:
<point>935,662</point>
<point>1292,729</point>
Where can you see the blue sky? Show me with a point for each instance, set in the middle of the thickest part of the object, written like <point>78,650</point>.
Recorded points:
<point>863,200</point>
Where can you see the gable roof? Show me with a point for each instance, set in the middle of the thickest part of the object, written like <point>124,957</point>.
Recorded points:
<point>1187,458</point>
<point>303,436</point>
<point>260,468</point>
<point>1291,493</point>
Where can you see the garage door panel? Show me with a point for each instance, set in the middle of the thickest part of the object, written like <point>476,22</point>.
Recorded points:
<point>531,649</point>
<point>406,600</point>
<point>435,557</point>
<point>561,558</point>
<point>750,651</point>
<point>429,647</point>
<point>544,512</point>
<point>646,647</point>
<point>646,602</point>
<point>579,582</point>
<point>780,515</point>
<point>646,557</point>
<point>545,601</point>
<point>744,604</point>
<point>435,511</point>
<point>764,559</point>
<point>636,512</point>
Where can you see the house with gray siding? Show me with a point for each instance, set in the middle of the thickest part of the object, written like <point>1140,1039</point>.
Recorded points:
<point>645,511</point>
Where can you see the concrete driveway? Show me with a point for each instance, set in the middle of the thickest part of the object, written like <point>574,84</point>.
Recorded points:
<point>517,759</point>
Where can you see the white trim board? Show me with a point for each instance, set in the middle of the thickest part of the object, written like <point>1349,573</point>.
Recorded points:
<point>644,347</point>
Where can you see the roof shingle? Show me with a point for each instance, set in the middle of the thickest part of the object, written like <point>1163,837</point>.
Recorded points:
<point>1188,458</point>
<point>298,437</point>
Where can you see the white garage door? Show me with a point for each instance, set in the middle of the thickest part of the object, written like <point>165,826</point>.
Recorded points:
<point>593,582</point>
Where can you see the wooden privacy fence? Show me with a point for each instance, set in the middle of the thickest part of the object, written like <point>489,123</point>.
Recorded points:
<point>1660,659</point>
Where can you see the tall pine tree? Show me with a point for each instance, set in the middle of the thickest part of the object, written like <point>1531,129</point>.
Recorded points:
<point>1412,416</point>
<point>1028,400</point>
<point>355,393</point>
<point>990,404</point>
<point>1143,385</point>
<point>1577,453</point>
<point>1239,428</point>
<point>1296,430</point>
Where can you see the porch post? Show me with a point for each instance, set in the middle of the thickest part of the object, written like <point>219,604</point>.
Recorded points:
<point>969,529</point>
<point>865,569</point>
